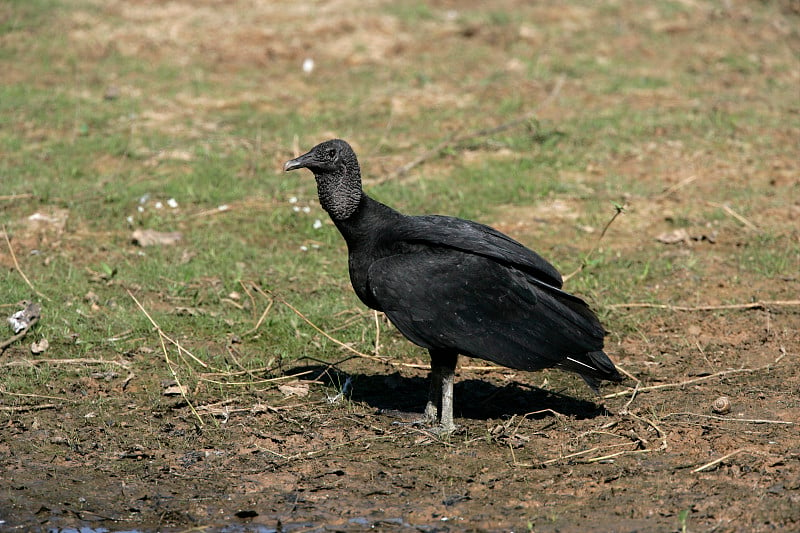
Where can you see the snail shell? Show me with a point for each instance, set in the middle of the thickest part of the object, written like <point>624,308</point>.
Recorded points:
<point>721,405</point>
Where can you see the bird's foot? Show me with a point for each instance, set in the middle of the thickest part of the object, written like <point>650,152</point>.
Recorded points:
<point>442,430</point>
<point>432,423</point>
<point>430,416</point>
<point>434,427</point>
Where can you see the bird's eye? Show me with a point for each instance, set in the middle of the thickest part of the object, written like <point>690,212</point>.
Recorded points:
<point>331,154</point>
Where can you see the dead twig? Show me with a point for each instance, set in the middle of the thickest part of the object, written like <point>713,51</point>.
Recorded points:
<point>659,431</point>
<point>638,389</point>
<point>725,207</point>
<point>433,152</point>
<point>203,377</point>
<point>764,304</point>
<point>352,350</point>
<point>249,295</point>
<point>42,396</point>
<point>455,138</point>
<point>633,397</point>
<point>23,408</point>
<point>161,337</point>
<point>16,196</point>
<point>324,334</point>
<point>18,268</point>
<point>181,388</point>
<point>582,453</point>
<point>672,188</point>
<point>78,361</point>
<point>617,454</point>
<point>715,462</point>
<point>698,379</point>
<point>729,419</point>
<point>619,210</point>
<point>260,320</point>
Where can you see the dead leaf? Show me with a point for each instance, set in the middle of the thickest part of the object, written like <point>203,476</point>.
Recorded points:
<point>174,390</point>
<point>53,219</point>
<point>40,347</point>
<point>149,237</point>
<point>298,388</point>
<point>682,235</point>
<point>674,237</point>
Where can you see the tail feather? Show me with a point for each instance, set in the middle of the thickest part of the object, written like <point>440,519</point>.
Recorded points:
<point>593,367</point>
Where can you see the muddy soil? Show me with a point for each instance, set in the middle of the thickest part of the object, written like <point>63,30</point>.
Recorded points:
<point>524,457</point>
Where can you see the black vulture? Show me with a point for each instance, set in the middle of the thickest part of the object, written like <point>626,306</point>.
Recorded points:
<point>454,286</point>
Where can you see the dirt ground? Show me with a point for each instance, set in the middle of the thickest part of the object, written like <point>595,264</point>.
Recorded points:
<point>708,442</point>
<point>305,463</point>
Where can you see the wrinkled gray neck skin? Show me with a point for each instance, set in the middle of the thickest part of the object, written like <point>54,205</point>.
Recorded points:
<point>340,190</point>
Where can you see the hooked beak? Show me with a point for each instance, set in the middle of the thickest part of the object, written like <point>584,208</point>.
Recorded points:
<point>299,162</point>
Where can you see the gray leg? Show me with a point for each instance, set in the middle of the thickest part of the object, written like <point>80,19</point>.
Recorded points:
<point>431,414</point>
<point>440,395</point>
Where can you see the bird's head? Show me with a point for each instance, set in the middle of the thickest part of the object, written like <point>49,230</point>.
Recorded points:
<point>338,176</point>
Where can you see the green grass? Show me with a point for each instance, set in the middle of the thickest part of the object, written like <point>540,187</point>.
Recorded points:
<point>68,147</point>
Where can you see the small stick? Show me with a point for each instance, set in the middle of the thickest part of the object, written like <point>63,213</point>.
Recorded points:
<point>260,320</point>
<point>255,382</point>
<point>653,425</point>
<point>380,359</point>
<point>332,339</point>
<point>79,361</point>
<point>672,188</point>
<point>403,170</point>
<point>734,214</point>
<point>619,210</point>
<point>682,383</point>
<point>576,454</point>
<point>628,374</point>
<point>239,372</point>
<point>164,335</point>
<point>252,300</point>
<point>224,208</point>
<point>181,388</point>
<point>161,337</point>
<point>617,454</point>
<point>715,462</point>
<point>29,407</point>
<point>16,196</point>
<point>633,396</point>
<point>19,269</point>
<point>764,304</point>
<point>729,419</point>
<point>24,395</point>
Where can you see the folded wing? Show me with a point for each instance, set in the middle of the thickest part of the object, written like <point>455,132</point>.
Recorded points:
<point>446,298</point>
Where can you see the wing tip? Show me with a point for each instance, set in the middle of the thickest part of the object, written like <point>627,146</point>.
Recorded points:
<point>594,367</point>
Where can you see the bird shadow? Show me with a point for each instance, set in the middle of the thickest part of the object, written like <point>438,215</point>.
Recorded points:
<point>476,399</point>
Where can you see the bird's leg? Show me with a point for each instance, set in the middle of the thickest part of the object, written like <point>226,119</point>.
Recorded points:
<point>431,414</point>
<point>440,395</point>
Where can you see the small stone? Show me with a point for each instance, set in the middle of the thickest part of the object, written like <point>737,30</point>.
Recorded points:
<point>40,347</point>
<point>112,93</point>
